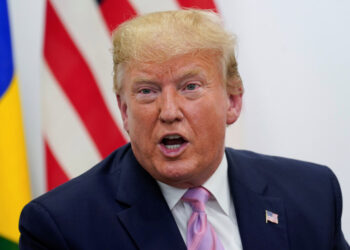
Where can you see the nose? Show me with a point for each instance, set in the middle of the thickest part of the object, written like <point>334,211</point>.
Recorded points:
<point>169,106</point>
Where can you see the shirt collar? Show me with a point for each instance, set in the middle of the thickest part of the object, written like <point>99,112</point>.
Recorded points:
<point>217,184</point>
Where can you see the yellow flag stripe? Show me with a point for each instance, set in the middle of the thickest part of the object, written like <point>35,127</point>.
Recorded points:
<point>14,179</point>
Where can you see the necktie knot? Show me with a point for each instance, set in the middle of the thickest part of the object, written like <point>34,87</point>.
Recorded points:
<point>197,197</point>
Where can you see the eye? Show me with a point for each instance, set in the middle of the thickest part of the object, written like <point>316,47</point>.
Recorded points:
<point>145,91</point>
<point>146,94</point>
<point>191,86</point>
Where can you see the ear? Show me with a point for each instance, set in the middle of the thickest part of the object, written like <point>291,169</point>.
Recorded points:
<point>234,107</point>
<point>123,107</point>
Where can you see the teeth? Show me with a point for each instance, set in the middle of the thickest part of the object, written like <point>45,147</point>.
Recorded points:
<point>175,146</point>
<point>172,137</point>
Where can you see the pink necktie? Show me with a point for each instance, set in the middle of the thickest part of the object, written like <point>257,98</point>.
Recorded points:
<point>200,234</point>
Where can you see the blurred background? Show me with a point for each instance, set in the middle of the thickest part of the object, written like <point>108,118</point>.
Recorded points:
<point>293,56</point>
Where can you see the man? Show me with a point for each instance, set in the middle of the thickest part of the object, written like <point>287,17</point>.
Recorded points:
<point>175,185</point>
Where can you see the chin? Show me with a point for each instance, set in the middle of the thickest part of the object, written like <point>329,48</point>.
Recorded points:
<point>176,176</point>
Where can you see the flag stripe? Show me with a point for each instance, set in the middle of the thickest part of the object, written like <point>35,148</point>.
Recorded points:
<point>14,178</point>
<point>143,7</point>
<point>7,244</point>
<point>78,83</point>
<point>116,12</point>
<point>201,4</point>
<point>55,175</point>
<point>6,63</point>
<point>67,136</point>
<point>86,34</point>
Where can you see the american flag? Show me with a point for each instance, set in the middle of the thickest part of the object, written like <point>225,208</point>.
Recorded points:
<point>81,122</point>
<point>271,217</point>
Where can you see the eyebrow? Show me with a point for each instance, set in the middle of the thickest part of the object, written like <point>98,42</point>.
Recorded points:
<point>144,80</point>
<point>185,75</point>
<point>188,74</point>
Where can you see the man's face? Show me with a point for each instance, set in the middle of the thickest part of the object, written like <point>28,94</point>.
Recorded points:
<point>176,114</point>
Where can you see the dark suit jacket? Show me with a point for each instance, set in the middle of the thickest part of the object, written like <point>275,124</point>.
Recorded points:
<point>118,205</point>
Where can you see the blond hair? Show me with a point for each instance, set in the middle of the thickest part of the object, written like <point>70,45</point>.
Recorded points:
<point>159,36</point>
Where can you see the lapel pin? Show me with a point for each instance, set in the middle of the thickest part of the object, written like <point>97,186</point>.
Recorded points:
<point>271,217</point>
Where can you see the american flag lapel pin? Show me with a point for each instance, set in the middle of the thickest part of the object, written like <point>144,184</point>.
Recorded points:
<point>271,217</point>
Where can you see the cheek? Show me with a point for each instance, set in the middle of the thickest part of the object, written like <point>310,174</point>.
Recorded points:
<point>209,126</point>
<point>209,114</point>
<point>212,123</point>
<point>141,122</point>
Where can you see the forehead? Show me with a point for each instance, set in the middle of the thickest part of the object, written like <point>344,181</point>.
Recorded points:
<point>179,66</point>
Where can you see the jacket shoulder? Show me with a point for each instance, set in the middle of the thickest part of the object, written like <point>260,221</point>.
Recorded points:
<point>268,164</point>
<point>85,184</point>
<point>283,175</point>
<point>84,208</point>
<point>97,185</point>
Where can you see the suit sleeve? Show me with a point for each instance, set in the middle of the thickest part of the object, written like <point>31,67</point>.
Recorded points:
<point>39,230</point>
<point>339,240</point>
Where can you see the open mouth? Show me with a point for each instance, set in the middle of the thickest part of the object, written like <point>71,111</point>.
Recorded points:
<point>173,142</point>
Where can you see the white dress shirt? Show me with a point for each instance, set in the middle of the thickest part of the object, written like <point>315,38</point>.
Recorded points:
<point>220,210</point>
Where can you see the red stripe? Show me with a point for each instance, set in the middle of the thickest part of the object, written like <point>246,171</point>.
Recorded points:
<point>78,83</point>
<point>115,12</point>
<point>199,4</point>
<point>55,175</point>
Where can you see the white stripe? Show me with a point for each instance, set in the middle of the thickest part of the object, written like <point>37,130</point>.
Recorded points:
<point>143,7</point>
<point>86,27</point>
<point>68,139</point>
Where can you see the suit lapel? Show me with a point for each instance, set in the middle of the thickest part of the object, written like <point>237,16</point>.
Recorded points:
<point>249,190</point>
<point>147,219</point>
